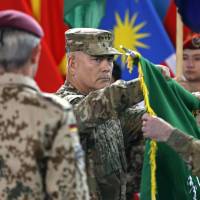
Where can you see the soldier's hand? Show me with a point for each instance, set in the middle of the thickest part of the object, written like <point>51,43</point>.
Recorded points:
<point>156,128</point>
<point>164,71</point>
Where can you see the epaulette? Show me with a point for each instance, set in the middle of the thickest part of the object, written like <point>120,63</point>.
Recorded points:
<point>56,100</point>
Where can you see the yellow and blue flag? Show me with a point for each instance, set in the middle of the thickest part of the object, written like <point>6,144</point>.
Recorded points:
<point>137,26</point>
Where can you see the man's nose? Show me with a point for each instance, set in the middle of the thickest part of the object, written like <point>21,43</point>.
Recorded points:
<point>106,65</point>
<point>190,63</point>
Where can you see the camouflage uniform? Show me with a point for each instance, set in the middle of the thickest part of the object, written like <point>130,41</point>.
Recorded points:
<point>188,148</point>
<point>103,116</point>
<point>135,155</point>
<point>40,155</point>
<point>190,86</point>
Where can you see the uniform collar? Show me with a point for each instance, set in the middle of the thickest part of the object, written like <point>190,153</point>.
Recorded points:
<point>70,87</point>
<point>18,79</point>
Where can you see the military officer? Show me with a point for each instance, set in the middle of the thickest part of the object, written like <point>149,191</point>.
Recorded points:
<point>40,153</point>
<point>105,112</point>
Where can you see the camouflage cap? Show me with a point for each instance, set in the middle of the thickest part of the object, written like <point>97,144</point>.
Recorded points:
<point>91,41</point>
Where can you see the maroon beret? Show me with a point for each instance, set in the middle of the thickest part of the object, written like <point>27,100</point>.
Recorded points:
<point>20,20</point>
<point>192,42</point>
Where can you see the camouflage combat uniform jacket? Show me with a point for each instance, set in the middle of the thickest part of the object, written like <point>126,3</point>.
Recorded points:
<point>40,154</point>
<point>188,148</point>
<point>102,115</point>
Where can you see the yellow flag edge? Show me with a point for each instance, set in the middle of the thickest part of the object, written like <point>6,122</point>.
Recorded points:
<point>153,144</point>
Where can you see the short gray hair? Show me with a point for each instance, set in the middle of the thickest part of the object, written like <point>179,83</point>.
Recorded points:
<point>15,48</point>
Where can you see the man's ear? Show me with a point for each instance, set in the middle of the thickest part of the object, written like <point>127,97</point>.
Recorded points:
<point>35,55</point>
<point>34,61</point>
<point>71,64</point>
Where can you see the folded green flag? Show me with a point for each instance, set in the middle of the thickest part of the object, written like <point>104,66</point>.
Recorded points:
<point>174,104</point>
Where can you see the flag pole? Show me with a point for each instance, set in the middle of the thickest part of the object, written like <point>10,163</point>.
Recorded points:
<point>179,45</point>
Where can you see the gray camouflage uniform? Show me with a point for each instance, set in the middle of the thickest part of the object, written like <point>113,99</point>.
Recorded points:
<point>103,116</point>
<point>40,154</point>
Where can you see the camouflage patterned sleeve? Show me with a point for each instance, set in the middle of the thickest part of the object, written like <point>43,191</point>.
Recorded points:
<point>107,103</point>
<point>131,123</point>
<point>134,147</point>
<point>66,177</point>
<point>188,148</point>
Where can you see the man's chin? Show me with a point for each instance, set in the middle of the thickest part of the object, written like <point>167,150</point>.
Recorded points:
<point>103,85</point>
<point>190,76</point>
<point>193,79</point>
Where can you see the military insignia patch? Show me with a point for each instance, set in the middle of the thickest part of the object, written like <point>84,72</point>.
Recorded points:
<point>73,128</point>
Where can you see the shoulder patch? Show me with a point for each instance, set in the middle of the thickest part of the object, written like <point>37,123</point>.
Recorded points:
<point>73,128</point>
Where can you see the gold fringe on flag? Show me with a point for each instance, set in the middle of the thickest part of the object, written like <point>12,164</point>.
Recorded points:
<point>153,144</point>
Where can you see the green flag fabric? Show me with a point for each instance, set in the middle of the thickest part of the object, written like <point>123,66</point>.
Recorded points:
<point>83,13</point>
<point>174,104</point>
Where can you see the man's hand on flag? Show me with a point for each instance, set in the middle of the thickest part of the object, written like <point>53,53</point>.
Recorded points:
<point>164,71</point>
<point>156,128</point>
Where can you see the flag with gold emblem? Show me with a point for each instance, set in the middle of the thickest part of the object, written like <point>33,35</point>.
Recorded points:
<point>136,25</point>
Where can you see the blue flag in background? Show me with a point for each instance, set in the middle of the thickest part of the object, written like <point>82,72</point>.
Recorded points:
<point>189,11</point>
<point>136,25</point>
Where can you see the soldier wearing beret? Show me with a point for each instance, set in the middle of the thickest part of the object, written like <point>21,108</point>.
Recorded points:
<point>191,64</point>
<point>186,146</point>
<point>40,153</point>
<point>105,112</point>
